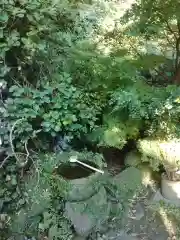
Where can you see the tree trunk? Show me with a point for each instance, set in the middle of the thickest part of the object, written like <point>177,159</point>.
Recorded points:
<point>176,78</point>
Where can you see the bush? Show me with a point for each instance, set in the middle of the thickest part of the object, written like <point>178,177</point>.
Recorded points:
<point>54,108</point>
<point>30,33</point>
<point>114,132</point>
<point>161,152</point>
<point>67,74</point>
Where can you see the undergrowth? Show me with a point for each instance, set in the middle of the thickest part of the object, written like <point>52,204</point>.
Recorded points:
<point>76,69</point>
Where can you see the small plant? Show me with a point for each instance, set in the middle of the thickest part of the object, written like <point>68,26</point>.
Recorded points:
<point>56,227</point>
<point>114,132</point>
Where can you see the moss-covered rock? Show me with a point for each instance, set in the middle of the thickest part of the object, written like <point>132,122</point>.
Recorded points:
<point>87,215</point>
<point>83,188</point>
<point>133,159</point>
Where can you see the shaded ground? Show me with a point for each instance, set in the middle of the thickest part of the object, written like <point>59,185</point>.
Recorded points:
<point>139,223</point>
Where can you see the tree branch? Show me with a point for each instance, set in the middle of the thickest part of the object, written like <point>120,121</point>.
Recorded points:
<point>170,29</point>
<point>177,53</point>
<point>178,25</point>
<point>177,46</point>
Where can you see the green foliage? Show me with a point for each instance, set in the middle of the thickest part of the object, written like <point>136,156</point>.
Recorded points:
<point>154,27</point>
<point>59,107</point>
<point>114,132</point>
<point>160,152</point>
<point>11,198</point>
<point>57,228</point>
<point>138,102</point>
<point>153,16</point>
<point>9,182</point>
<point>31,33</point>
<point>41,209</point>
<point>165,120</point>
<point>69,72</point>
<point>126,186</point>
<point>94,69</point>
<point>73,104</point>
<point>133,159</point>
<point>138,108</point>
<point>153,110</point>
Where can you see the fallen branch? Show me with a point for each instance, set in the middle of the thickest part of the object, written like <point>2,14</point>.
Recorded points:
<point>11,144</point>
<point>15,154</point>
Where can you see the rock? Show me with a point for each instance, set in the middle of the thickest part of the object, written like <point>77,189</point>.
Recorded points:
<point>116,209</point>
<point>3,217</point>
<point>125,187</point>
<point>139,212</point>
<point>126,237</point>
<point>120,235</point>
<point>161,236</point>
<point>127,183</point>
<point>112,234</point>
<point>89,214</point>
<point>79,238</point>
<point>83,188</point>
<point>19,221</point>
<point>129,175</point>
<point>133,159</point>
<point>157,197</point>
<point>103,228</point>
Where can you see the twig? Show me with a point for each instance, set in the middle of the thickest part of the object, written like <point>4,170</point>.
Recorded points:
<point>27,153</point>
<point>177,53</point>
<point>11,143</point>
<point>167,37</point>
<point>36,168</point>
<point>178,25</point>
<point>11,139</point>
<point>19,153</point>
<point>4,161</point>
<point>15,154</point>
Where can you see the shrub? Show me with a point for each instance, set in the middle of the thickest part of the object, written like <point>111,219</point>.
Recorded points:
<point>161,152</point>
<point>114,132</point>
<point>54,108</point>
<point>34,36</point>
